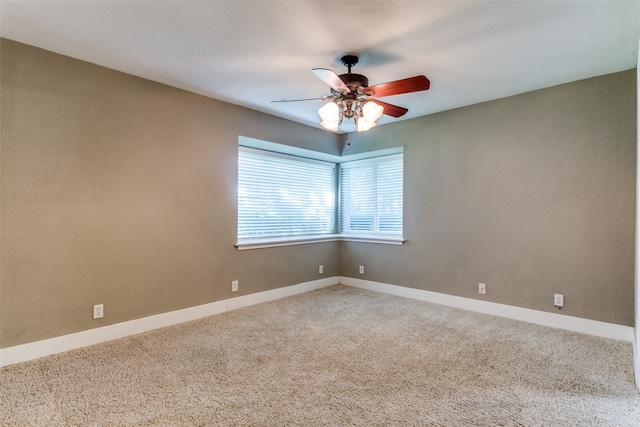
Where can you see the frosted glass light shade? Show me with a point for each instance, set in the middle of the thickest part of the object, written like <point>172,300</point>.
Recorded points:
<point>364,125</point>
<point>329,125</point>
<point>329,112</point>
<point>372,111</point>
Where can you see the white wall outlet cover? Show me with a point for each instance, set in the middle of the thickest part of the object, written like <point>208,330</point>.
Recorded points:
<point>482,288</point>
<point>558,300</point>
<point>321,269</point>
<point>361,269</point>
<point>98,311</point>
<point>234,286</point>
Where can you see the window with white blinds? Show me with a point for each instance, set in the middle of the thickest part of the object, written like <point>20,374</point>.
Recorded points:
<point>371,196</point>
<point>281,195</point>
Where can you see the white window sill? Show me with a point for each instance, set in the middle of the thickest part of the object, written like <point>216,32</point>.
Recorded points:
<point>272,242</point>
<point>373,238</point>
<point>247,244</point>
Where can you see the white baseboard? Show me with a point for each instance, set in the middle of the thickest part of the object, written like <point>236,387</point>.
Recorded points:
<point>554,320</point>
<point>37,349</point>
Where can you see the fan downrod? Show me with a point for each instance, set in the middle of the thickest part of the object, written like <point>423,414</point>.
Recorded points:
<point>349,61</point>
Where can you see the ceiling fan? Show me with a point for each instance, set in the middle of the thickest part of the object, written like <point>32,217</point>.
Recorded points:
<point>352,98</point>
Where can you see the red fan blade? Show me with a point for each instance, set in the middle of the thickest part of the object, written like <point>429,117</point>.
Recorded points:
<point>390,109</point>
<point>412,84</point>
<point>332,79</point>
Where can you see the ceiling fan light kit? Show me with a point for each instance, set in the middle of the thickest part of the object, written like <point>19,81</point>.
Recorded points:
<point>352,98</point>
<point>365,116</point>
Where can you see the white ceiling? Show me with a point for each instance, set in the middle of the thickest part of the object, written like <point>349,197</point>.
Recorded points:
<point>252,52</point>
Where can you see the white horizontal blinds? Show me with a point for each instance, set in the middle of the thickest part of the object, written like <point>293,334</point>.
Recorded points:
<point>280,195</point>
<point>389,191</point>
<point>371,195</point>
<point>358,199</point>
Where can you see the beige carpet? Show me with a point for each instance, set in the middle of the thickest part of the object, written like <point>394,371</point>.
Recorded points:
<point>337,356</point>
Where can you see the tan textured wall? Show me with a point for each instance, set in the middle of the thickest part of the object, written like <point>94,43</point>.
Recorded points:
<point>532,195</point>
<point>122,191</point>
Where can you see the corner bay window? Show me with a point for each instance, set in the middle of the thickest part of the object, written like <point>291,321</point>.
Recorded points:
<point>289,199</point>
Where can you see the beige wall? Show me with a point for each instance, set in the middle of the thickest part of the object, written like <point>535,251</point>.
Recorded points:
<point>122,191</point>
<point>532,195</point>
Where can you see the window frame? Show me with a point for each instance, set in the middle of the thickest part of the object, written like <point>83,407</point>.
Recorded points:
<point>270,233</point>
<point>376,236</point>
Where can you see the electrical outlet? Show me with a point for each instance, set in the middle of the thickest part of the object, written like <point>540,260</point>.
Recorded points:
<point>234,286</point>
<point>321,269</point>
<point>482,288</point>
<point>558,300</point>
<point>361,269</point>
<point>98,311</point>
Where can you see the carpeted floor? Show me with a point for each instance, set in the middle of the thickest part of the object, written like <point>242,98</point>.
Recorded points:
<point>337,356</point>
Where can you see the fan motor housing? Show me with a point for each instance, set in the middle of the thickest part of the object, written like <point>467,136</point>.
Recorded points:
<point>353,80</point>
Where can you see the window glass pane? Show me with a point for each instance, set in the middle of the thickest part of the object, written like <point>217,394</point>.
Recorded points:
<point>371,195</point>
<point>281,195</point>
